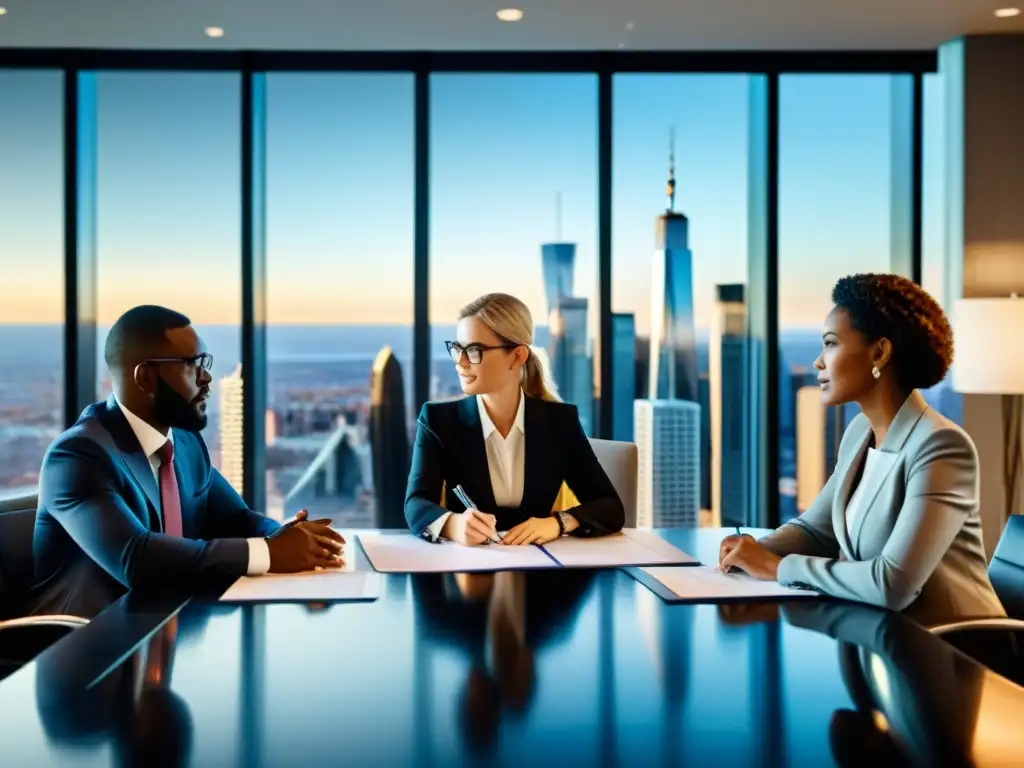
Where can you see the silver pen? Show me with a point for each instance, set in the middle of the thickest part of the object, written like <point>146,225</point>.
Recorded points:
<point>461,495</point>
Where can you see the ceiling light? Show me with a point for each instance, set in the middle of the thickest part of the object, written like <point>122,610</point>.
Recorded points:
<point>510,14</point>
<point>3,11</point>
<point>215,31</point>
<point>1007,13</point>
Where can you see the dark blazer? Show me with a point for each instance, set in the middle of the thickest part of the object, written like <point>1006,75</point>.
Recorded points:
<point>99,530</point>
<point>450,451</point>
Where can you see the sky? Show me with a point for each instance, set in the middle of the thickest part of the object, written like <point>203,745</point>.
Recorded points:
<point>504,148</point>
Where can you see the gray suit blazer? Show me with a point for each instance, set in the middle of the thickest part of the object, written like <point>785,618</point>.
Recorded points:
<point>916,545</point>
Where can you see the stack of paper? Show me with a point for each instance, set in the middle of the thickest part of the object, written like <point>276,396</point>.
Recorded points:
<point>405,553</point>
<point>328,585</point>
<point>705,583</point>
<point>631,547</point>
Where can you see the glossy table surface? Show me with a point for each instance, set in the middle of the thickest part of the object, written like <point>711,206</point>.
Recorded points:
<point>561,667</point>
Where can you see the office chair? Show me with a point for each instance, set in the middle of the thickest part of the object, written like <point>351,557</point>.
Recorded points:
<point>998,643</point>
<point>22,637</point>
<point>619,461</point>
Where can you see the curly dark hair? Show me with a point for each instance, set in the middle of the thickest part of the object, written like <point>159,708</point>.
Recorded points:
<point>894,307</point>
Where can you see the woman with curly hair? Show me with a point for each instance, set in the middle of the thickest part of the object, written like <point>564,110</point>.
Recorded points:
<point>897,523</point>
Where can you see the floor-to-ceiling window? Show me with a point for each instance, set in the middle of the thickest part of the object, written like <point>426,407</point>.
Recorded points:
<point>835,218</point>
<point>168,221</point>
<point>942,397</point>
<point>340,294</point>
<point>679,276</point>
<point>32,269</point>
<point>513,209</point>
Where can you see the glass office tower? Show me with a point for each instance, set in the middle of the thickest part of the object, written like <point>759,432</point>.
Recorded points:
<point>389,440</point>
<point>624,380</point>
<point>570,359</point>
<point>730,409</point>
<point>668,482</point>
<point>557,262</point>
<point>673,372</point>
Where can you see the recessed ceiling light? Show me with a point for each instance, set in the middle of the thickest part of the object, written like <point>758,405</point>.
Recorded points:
<point>3,11</point>
<point>1007,13</point>
<point>215,31</point>
<point>510,14</point>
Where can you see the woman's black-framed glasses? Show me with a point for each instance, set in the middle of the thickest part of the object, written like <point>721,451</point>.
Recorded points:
<point>202,361</point>
<point>474,352</point>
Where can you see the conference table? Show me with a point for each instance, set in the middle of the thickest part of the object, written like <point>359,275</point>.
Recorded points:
<point>553,667</point>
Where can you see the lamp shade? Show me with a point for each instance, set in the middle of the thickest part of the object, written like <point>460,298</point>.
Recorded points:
<point>989,355</point>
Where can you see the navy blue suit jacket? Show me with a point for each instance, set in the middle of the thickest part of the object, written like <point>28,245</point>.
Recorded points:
<point>98,528</point>
<point>450,451</point>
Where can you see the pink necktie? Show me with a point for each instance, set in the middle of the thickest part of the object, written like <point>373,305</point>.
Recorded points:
<point>170,502</point>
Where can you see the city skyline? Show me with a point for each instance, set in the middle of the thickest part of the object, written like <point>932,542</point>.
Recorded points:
<point>504,147</point>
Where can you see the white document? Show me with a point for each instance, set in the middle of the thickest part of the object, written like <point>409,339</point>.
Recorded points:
<point>309,586</point>
<point>405,553</point>
<point>630,547</point>
<point>706,582</point>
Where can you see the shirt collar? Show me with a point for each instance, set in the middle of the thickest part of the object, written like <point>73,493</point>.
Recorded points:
<point>488,426</point>
<point>149,438</point>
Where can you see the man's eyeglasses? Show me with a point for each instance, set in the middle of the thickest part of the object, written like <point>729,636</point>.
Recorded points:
<point>474,352</point>
<point>202,361</point>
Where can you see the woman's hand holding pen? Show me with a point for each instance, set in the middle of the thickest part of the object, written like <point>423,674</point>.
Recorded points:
<point>745,553</point>
<point>470,528</point>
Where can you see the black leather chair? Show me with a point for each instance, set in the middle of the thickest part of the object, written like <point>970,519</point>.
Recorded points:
<point>22,637</point>
<point>998,643</point>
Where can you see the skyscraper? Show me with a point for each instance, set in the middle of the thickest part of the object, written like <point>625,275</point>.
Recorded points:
<point>231,428</point>
<point>624,380</point>
<point>673,373</point>
<point>557,261</point>
<point>704,392</point>
<point>389,441</point>
<point>570,359</point>
<point>668,482</point>
<point>730,408</point>
<point>819,430</point>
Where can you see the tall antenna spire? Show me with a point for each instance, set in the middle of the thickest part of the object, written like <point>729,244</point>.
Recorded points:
<point>670,190</point>
<point>558,217</point>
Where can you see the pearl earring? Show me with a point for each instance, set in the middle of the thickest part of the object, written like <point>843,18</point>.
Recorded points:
<point>875,372</point>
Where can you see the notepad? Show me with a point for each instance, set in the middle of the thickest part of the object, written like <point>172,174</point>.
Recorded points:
<point>630,547</point>
<point>405,553</point>
<point>328,585</point>
<point>705,583</point>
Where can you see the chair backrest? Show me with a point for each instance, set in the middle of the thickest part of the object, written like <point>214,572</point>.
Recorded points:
<point>619,460</point>
<point>17,521</point>
<point>1007,567</point>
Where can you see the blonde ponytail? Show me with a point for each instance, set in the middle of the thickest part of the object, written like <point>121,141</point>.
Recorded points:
<point>536,380</point>
<point>510,320</point>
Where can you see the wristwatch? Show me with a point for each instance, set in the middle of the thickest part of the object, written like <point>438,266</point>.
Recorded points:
<point>562,528</point>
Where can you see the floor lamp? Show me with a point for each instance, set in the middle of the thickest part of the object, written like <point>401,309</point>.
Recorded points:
<point>989,361</point>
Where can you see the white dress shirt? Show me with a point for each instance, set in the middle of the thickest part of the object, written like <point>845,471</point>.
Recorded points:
<point>506,461</point>
<point>151,441</point>
<point>875,463</point>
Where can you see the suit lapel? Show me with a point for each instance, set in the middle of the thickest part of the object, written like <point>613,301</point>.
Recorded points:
<point>130,451</point>
<point>473,456</point>
<point>907,417</point>
<point>843,493</point>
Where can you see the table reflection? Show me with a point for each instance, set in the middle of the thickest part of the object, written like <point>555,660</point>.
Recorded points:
<point>558,667</point>
<point>132,707</point>
<point>916,701</point>
<point>497,622</point>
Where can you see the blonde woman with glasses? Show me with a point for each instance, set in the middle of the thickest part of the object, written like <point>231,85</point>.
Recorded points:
<point>488,468</point>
